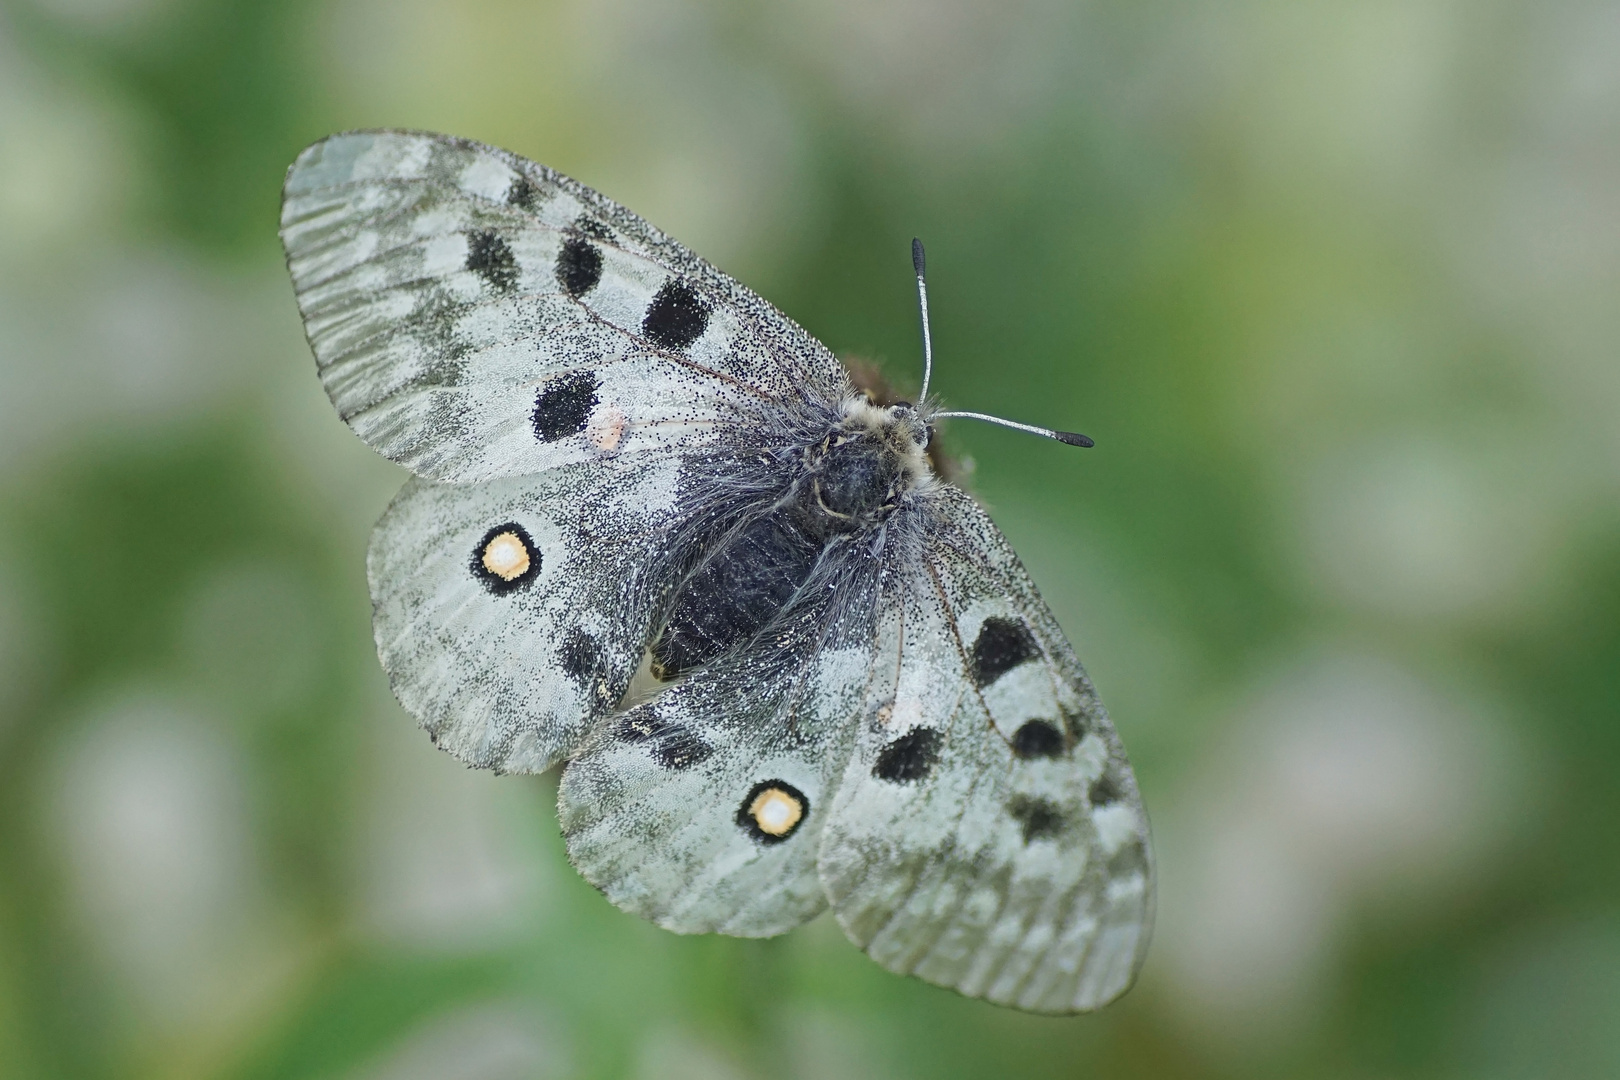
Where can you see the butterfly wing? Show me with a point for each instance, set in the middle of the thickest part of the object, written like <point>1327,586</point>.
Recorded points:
<point>987,834</point>
<point>474,314</point>
<point>508,614</point>
<point>701,810</point>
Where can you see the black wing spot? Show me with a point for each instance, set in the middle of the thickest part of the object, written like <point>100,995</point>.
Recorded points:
<point>1104,790</point>
<point>564,405</point>
<point>505,559</point>
<point>579,266</point>
<point>638,726</point>
<point>910,757</point>
<point>674,746</point>
<point>1038,738</point>
<point>1039,817</point>
<point>580,654</point>
<point>680,748</point>
<point>490,258</point>
<point>772,811</point>
<point>523,193</point>
<point>1002,645</point>
<point>676,317</point>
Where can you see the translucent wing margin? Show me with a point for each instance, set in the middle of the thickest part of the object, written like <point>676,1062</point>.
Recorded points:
<point>507,614</point>
<point>474,314</point>
<point>988,834</point>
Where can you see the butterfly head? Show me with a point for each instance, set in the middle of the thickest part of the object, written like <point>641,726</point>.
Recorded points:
<point>908,424</point>
<point>899,428</point>
<point>869,460</point>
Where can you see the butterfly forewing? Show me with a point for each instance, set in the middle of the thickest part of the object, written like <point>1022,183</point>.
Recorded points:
<point>476,315</point>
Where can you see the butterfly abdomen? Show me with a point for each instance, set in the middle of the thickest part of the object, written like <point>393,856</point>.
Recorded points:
<point>735,593</point>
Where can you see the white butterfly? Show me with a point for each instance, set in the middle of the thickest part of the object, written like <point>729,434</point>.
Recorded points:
<point>627,461</point>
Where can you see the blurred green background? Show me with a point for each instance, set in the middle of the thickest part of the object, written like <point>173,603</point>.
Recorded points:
<point>1335,286</point>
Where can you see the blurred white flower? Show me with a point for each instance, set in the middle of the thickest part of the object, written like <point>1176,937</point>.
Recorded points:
<point>1345,786</point>
<point>1337,100</point>
<point>65,162</point>
<point>108,339</point>
<point>501,1040</point>
<point>146,805</point>
<point>22,646</point>
<point>1531,222</point>
<point>947,74</point>
<point>107,16</point>
<point>664,107</point>
<point>824,1045</point>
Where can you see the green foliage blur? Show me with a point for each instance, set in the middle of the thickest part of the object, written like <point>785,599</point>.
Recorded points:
<point>1332,284</point>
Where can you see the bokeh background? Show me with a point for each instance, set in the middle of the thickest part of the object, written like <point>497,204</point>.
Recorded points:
<point>1335,286</point>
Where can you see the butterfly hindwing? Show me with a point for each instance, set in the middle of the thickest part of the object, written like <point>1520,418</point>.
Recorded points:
<point>476,315</point>
<point>701,810</point>
<point>988,835</point>
<point>508,614</point>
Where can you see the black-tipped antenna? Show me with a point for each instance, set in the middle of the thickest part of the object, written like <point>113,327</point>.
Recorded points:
<point>919,262</point>
<point>1072,438</point>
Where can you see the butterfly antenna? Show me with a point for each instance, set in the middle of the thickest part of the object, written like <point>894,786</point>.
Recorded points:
<point>1072,438</point>
<point>919,262</point>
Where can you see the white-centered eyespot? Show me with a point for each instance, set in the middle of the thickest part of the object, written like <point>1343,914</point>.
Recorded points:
<point>773,811</point>
<point>506,556</point>
<point>776,812</point>
<point>505,559</point>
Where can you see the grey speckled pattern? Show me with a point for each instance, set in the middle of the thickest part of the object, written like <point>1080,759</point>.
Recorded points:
<point>628,421</point>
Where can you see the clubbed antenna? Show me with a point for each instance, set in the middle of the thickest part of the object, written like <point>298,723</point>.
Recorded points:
<point>1072,438</point>
<point>919,262</point>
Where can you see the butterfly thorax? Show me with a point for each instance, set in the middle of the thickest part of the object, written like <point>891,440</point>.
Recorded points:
<point>844,484</point>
